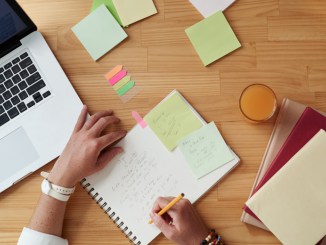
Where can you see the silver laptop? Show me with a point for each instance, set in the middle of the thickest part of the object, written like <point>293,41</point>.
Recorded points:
<point>38,105</point>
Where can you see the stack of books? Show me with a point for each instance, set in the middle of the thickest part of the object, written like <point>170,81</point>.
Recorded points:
<point>289,194</point>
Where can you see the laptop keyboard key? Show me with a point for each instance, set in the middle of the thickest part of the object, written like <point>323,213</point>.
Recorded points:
<point>7,105</point>
<point>15,69</point>
<point>2,110</point>
<point>16,79</point>
<point>15,61</point>
<point>22,85</point>
<point>24,74</point>
<point>7,66</point>
<point>8,74</point>
<point>25,63</point>
<point>30,104</point>
<point>14,90</point>
<point>3,119</point>
<point>23,95</point>
<point>15,100</point>
<point>22,107</point>
<point>35,87</point>
<point>33,78</point>
<point>13,112</point>
<point>2,78</point>
<point>1,69</point>
<point>31,69</point>
<point>24,55</point>
<point>7,95</point>
<point>9,84</point>
<point>46,94</point>
<point>1,100</point>
<point>2,88</point>
<point>37,97</point>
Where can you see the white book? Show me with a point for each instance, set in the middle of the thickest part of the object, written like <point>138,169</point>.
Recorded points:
<point>127,188</point>
<point>209,7</point>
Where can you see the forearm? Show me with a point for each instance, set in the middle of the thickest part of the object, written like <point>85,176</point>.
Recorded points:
<point>48,216</point>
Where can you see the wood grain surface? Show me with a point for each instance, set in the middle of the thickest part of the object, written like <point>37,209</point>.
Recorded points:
<point>283,46</point>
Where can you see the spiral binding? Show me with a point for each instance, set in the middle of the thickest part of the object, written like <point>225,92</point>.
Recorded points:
<point>107,210</point>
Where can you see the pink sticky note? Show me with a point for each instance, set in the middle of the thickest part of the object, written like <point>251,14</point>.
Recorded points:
<point>139,119</point>
<point>116,78</point>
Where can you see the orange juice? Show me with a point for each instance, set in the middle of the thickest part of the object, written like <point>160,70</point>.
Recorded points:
<point>258,103</point>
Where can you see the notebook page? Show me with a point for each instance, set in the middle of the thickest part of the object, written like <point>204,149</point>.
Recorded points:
<point>133,180</point>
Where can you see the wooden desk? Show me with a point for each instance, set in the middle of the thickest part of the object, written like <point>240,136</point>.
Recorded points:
<point>283,46</point>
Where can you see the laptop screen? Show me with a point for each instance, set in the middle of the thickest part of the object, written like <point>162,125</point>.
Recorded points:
<point>10,23</point>
<point>14,25</point>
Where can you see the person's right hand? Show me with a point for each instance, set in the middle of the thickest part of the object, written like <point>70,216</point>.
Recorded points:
<point>181,223</point>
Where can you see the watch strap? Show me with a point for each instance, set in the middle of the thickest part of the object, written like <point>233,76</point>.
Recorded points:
<point>57,188</point>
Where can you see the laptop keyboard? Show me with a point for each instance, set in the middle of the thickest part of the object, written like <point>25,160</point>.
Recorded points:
<point>21,87</point>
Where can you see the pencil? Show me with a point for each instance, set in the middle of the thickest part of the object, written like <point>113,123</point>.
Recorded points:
<point>170,205</point>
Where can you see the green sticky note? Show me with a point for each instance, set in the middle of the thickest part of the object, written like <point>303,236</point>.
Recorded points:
<point>109,5</point>
<point>213,38</point>
<point>172,120</point>
<point>121,83</point>
<point>124,89</point>
<point>131,11</point>
<point>205,150</point>
<point>99,32</point>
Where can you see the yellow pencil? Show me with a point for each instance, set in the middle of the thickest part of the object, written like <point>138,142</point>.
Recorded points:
<point>170,205</point>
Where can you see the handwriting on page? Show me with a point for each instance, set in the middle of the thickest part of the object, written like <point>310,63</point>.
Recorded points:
<point>205,150</point>
<point>139,186</point>
<point>172,120</point>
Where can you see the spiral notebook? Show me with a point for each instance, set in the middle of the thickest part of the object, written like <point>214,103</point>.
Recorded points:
<point>127,188</point>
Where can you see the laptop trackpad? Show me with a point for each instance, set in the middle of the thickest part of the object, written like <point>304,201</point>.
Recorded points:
<point>16,152</point>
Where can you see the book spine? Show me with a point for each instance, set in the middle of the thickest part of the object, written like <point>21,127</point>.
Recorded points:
<point>108,211</point>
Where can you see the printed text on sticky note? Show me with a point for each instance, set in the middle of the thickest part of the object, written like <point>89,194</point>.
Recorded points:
<point>205,150</point>
<point>172,120</point>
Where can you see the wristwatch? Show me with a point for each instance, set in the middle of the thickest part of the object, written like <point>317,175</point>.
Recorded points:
<point>58,192</point>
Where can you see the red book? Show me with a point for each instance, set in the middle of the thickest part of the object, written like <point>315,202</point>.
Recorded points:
<point>307,126</point>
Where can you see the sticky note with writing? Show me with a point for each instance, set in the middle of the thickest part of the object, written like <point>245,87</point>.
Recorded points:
<point>172,120</point>
<point>205,150</point>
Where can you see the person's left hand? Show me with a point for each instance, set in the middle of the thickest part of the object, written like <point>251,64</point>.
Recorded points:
<point>87,151</point>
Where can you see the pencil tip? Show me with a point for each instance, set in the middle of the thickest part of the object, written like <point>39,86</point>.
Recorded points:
<point>182,194</point>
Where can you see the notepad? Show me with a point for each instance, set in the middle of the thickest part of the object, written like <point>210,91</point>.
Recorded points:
<point>209,7</point>
<point>213,38</point>
<point>172,120</point>
<point>109,5</point>
<point>127,187</point>
<point>205,150</point>
<point>99,32</point>
<point>292,203</point>
<point>132,11</point>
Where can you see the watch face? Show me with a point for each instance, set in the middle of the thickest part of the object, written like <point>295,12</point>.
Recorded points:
<point>46,186</point>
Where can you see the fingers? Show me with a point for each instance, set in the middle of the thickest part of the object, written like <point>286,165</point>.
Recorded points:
<point>109,139</point>
<point>102,123</point>
<point>160,223</point>
<point>81,119</point>
<point>160,203</point>
<point>106,156</point>
<point>93,119</point>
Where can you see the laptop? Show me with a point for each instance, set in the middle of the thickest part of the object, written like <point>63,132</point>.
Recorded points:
<point>38,105</point>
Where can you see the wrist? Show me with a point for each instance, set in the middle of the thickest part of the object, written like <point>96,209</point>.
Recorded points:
<point>61,180</point>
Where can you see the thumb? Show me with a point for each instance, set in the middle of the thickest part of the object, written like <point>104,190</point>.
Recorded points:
<point>162,225</point>
<point>106,156</point>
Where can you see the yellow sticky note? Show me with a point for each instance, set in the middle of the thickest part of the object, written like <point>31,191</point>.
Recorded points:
<point>121,83</point>
<point>172,120</point>
<point>131,11</point>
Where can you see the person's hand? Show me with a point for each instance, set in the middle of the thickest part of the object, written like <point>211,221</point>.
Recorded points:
<point>87,150</point>
<point>181,223</point>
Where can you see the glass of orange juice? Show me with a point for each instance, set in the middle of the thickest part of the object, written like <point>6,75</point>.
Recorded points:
<point>258,103</point>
